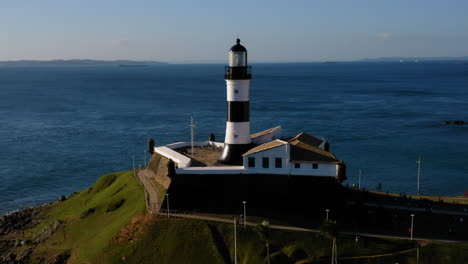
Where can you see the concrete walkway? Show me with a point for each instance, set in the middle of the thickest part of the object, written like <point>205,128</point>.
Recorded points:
<point>152,196</point>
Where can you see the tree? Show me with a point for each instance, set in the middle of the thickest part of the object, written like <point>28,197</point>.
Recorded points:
<point>330,231</point>
<point>263,231</point>
<point>151,146</point>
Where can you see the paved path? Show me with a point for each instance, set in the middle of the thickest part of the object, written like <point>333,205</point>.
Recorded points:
<point>153,202</point>
<point>293,228</point>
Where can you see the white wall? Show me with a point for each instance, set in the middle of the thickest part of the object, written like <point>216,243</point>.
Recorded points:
<point>242,88</point>
<point>277,152</point>
<point>275,134</point>
<point>324,169</point>
<point>237,133</point>
<point>183,163</point>
<point>181,160</point>
<point>288,168</point>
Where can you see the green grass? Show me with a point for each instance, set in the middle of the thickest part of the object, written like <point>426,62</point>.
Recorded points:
<point>177,240</point>
<point>92,218</point>
<point>447,199</point>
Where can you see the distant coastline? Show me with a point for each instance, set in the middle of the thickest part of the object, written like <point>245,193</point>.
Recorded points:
<point>462,59</point>
<point>79,62</point>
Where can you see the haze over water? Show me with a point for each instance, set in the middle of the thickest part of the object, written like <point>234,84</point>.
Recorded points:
<point>63,127</point>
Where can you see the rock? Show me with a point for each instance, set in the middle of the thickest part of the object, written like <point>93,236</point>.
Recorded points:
<point>456,122</point>
<point>16,221</point>
<point>46,232</point>
<point>62,258</point>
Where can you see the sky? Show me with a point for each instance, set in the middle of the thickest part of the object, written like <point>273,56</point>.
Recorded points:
<point>201,31</point>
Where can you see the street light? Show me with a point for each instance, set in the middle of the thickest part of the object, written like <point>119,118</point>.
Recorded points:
<point>412,224</point>
<point>235,242</point>
<point>328,210</point>
<point>167,200</point>
<point>245,214</point>
<point>133,163</point>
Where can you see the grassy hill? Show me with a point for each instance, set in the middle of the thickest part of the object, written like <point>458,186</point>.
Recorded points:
<point>107,223</point>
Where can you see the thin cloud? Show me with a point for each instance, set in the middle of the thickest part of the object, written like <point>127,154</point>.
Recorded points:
<point>384,35</point>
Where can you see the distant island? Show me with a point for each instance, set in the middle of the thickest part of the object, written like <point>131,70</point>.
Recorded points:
<point>79,62</point>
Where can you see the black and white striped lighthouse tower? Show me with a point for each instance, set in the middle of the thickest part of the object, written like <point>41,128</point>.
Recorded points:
<point>237,76</point>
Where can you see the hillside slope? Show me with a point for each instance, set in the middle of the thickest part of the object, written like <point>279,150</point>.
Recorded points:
<point>108,223</point>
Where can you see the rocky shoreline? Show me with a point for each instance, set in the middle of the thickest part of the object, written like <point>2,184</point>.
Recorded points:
<point>16,246</point>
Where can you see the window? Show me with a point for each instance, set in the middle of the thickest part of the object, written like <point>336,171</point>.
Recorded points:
<point>236,91</point>
<point>251,162</point>
<point>265,162</point>
<point>297,165</point>
<point>278,162</point>
<point>314,166</point>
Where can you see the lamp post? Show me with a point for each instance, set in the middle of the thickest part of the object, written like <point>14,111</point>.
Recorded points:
<point>245,214</point>
<point>412,225</point>
<point>235,242</point>
<point>144,152</point>
<point>328,210</point>
<point>133,163</point>
<point>419,170</point>
<point>167,201</point>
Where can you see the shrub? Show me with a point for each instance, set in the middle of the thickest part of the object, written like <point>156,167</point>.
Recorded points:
<point>87,212</point>
<point>105,182</point>
<point>115,205</point>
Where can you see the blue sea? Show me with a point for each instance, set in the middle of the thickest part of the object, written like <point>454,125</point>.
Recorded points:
<point>61,128</point>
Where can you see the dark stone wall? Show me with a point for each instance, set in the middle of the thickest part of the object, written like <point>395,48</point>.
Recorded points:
<point>295,198</point>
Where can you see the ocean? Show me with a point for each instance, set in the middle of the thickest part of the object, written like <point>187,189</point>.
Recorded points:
<point>61,128</point>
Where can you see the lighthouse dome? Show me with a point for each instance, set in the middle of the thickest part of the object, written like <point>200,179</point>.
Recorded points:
<point>238,47</point>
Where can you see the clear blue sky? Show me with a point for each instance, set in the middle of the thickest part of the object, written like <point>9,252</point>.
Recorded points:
<point>203,31</point>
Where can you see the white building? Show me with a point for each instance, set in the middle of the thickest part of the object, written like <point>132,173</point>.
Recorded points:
<point>302,155</point>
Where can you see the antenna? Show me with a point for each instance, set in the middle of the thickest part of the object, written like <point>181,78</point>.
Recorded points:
<point>192,131</point>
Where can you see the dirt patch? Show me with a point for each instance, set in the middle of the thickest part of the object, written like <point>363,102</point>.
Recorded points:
<point>138,225</point>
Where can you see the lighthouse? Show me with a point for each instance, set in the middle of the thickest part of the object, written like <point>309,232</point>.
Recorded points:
<point>237,76</point>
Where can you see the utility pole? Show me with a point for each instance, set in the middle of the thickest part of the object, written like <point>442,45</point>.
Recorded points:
<point>328,210</point>
<point>419,170</point>
<point>412,225</point>
<point>144,153</point>
<point>359,183</point>
<point>235,242</point>
<point>192,131</point>
<point>245,214</point>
